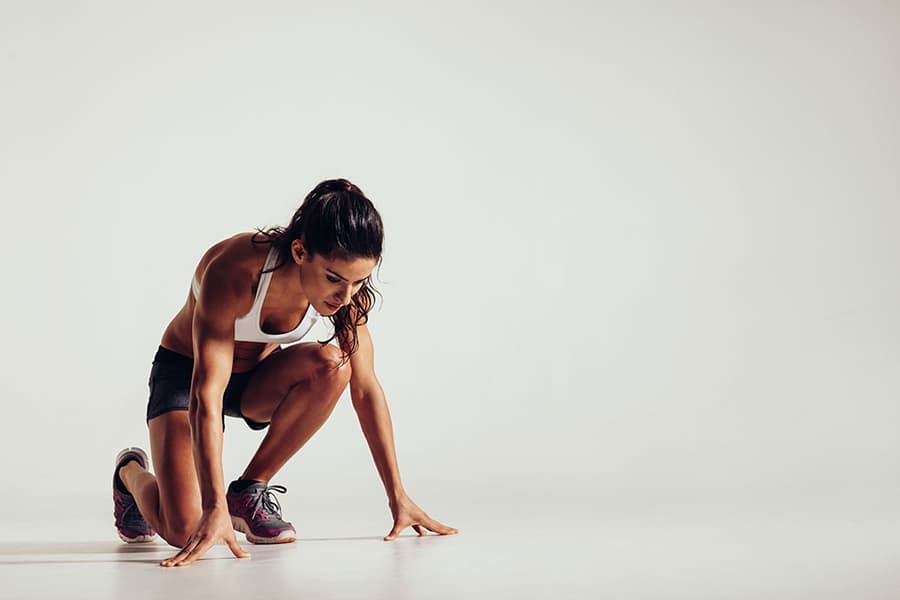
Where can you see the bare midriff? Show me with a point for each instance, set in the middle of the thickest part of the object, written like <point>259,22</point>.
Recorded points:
<point>177,338</point>
<point>178,335</point>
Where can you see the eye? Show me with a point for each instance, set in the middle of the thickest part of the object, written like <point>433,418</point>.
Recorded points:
<point>332,279</point>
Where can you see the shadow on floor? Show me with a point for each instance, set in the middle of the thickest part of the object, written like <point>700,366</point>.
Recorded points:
<point>113,551</point>
<point>111,547</point>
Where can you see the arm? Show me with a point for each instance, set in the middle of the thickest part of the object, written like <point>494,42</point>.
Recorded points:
<point>375,419</point>
<point>213,338</point>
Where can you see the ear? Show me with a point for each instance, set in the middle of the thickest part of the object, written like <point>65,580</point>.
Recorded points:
<point>298,252</point>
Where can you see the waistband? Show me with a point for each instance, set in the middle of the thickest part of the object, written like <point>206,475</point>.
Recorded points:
<point>165,356</point>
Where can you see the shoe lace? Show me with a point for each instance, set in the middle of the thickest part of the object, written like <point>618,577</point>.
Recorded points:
<point>266,503</point>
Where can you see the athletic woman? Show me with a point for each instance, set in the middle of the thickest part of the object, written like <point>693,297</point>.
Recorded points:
<point>222,355</point>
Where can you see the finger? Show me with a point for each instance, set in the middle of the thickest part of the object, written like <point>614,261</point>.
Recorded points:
<point>394,532</point>
<point>179,558</point>
<point>419,529</point>
<point>169,562</point>
<point>196,552</point>
<point>440,528</point>
<point>236,548</point>
<point>174,560</point>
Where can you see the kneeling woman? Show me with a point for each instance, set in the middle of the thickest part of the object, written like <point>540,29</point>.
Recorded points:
<point>221,355</point>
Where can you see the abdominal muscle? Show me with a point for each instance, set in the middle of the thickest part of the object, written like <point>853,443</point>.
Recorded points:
<point>178,338</point>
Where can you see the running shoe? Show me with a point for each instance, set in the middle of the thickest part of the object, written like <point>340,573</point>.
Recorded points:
<point>130,522</point>
<point>256,512</point>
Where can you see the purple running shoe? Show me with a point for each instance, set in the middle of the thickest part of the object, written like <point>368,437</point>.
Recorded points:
<point>256,512</point>
<point>130,523</point>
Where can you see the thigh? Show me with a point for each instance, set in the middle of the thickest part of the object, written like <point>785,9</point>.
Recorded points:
<point>276,375</point>
<point>173,463</point>
<point>170,383</point>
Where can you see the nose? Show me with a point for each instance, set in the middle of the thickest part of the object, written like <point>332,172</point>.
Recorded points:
<point>346,295</point>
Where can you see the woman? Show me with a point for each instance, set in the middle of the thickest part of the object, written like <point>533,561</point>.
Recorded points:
<point>221,355</point>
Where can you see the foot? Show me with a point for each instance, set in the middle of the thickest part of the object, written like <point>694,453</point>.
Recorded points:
<point>256,512</point>
<point>130,523</point>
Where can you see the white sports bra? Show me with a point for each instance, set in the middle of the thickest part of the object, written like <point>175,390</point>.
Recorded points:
<point>247,327</point>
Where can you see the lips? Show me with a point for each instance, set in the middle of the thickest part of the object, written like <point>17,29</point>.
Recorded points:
<point>333,306</point>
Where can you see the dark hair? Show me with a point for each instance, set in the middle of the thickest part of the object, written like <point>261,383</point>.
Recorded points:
<point>335,221</point>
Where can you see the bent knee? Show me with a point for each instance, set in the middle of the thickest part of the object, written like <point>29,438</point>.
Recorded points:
<point>179,532</point>
<point>331,364</point>
<point>177,539</point>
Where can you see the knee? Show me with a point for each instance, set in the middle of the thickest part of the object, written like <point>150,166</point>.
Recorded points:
<point>177,532</point>
<point>331,366</point>
<point>177,538</point>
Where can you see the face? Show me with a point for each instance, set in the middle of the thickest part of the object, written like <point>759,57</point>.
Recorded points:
<point>330,284</point>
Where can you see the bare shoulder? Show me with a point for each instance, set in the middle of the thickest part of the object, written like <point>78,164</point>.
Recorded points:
<point>229,269</point>
<point>236,256</point>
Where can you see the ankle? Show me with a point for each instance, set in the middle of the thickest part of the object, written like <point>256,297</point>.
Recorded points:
<point>127,471</point>
<point>242,483</point>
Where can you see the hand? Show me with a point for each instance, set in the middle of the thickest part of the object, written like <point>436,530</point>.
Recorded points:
<point>407,514</point>
<point>214,528</point>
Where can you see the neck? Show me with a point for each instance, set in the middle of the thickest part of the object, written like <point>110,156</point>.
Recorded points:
<point>287,282</point>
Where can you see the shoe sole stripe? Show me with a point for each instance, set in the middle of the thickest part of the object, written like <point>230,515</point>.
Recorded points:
<point>239,524</point>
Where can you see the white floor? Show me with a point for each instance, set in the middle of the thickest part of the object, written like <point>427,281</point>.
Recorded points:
<point>524,552</point>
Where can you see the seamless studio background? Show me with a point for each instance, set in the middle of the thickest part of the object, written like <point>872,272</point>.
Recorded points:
<point>641,258</point>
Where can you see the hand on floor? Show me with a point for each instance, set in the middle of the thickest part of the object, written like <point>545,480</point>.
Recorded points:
<point>407,514</point>
<point>214,528</point>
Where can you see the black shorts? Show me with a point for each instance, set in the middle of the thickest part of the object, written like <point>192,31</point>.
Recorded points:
<point>170,387</point>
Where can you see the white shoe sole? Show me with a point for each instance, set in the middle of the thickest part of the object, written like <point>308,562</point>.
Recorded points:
<point>141,539</point>
<point>240,524</point>
<point>137,451</point>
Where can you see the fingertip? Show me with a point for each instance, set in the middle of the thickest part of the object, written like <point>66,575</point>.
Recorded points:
<point>238,551</point>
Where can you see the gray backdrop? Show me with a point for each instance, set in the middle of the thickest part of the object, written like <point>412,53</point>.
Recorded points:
<point>636,252</point>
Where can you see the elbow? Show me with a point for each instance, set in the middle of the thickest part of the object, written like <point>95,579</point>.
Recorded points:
<point>202,406</point>
<point>358,402</point>
<point>365,398</point>
<point>359,398</point>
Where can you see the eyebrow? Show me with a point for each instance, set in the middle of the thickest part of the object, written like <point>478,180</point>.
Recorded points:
<point>338,275</point>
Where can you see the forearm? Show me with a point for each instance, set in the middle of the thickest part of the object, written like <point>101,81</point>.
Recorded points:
<point>375,420</point>
<point>206,436</point>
